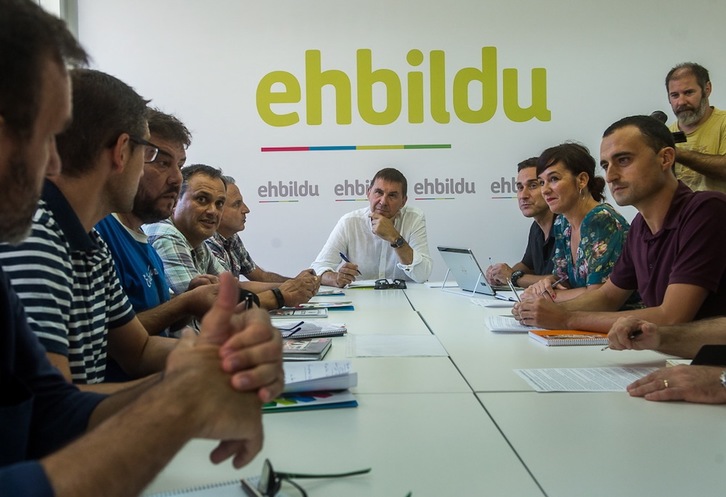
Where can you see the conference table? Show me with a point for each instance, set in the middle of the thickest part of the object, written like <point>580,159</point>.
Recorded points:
<point>463,423</point>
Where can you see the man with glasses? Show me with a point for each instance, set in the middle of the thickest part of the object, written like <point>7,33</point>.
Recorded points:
<point>63,272</point>
<point>537,261</point>
<point>139,266</point>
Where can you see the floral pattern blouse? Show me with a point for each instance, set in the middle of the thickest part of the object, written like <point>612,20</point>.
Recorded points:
<point>602,236</point>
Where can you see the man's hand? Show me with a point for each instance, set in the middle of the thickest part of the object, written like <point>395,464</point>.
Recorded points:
<point>540,311</point>
<point>250,348</point>
<point>632,333</point>
<point>215,411</point>
<point>700,384</point>
<point>541,288</point>
<point>347,271</point>
<point>202,279</point>
<point>200,299</point>
<point>383,228</point>
<point>300,289</point>
<point>499,273</point>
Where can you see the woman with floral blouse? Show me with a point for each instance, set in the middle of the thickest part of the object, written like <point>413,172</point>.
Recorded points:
<point>589,234</point>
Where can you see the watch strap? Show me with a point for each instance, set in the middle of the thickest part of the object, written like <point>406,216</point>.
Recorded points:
<point>399,242</point>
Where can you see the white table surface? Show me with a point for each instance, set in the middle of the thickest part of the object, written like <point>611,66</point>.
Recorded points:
<point>468,425</point>
<point>430,444</point>
<point>611,444</point>
<point>486,359</point>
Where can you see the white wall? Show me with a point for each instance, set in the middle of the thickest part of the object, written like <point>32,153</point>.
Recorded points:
<point>203,61</point>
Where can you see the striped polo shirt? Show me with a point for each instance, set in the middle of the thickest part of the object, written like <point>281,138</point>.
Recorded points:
<point>68,284</point>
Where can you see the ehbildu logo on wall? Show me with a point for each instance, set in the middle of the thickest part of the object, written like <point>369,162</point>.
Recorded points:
<point>284,99</point>
<point>278,90</point>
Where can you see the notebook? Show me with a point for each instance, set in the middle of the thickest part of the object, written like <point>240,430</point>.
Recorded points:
<point>554,338</point>
<point>465,269</point>
<point>306,349</point>
<point>308,329</point>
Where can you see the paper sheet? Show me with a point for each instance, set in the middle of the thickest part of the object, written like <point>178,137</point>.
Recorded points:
<point>582,379</point>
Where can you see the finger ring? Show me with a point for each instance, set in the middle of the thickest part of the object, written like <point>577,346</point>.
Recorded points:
<point>665,383</point>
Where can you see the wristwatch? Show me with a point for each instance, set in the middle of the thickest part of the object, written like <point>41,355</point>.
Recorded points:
<point>515,276</point>
<point>400,242</point>
<point>723,378</point>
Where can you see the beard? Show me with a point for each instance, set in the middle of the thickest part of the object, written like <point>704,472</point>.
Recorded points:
<point>691,117</point>
<point>146,209</point>
<point>18,203</point>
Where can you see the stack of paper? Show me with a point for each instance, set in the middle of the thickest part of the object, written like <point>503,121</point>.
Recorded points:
<point>319,375</point>
<point>315,385</point>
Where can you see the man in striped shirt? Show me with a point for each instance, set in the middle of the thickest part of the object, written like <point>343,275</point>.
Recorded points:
<point>63,272</point>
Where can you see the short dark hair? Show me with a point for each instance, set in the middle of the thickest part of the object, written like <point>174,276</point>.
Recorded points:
<point>28,37</point>
<point>531,162</point>
<point>194,169</point>
<point>168,127</point>
<point>393,175</point>
<point>577,159</point>
<point>700,72</point>
<point>655,134</point>
<point>104,107</point>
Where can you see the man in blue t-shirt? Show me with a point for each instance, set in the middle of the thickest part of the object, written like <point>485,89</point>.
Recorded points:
<point>139,266</point>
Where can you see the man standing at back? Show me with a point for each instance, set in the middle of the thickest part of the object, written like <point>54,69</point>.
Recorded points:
<point>387,239</point>
<point>537,261</point>
<point>701,160</point>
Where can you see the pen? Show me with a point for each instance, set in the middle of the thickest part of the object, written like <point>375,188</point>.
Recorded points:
<point>561,280</point>
<point>514,291</point>
<point>632,336</point>
<point>345,258</point>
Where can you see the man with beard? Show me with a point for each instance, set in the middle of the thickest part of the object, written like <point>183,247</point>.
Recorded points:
<point>701,160</point>
<point>44,451</point>
<point>139,266</point>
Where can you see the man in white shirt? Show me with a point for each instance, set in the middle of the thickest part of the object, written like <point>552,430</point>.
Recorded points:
<point>385,240</point>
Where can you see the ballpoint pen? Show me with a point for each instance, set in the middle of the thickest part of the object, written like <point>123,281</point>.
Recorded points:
<point>345,258</point>
<point>514,290</point>
<point>561,280</point>
<point>632,336</point>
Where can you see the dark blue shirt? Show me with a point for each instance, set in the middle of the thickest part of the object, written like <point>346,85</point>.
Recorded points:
<point>39,410</point>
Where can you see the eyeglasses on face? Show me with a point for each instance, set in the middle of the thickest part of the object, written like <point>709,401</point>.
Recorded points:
<point>271,480</point>
<point>151,151</point>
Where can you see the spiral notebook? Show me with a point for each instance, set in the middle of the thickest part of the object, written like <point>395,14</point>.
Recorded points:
<point>569,337</point>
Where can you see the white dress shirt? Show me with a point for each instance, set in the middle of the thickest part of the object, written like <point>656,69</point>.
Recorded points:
<point>374,256</point>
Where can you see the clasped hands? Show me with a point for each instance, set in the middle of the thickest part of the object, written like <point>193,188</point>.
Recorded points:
<point>224,374</point>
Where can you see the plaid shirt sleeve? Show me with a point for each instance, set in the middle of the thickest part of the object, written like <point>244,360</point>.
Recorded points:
<point>180,264</point>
